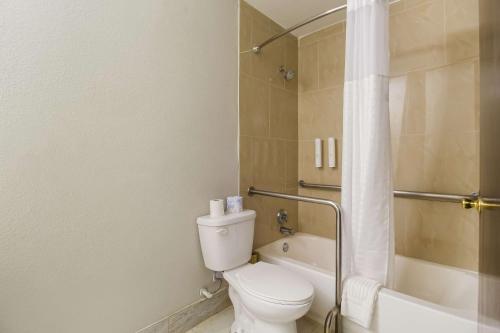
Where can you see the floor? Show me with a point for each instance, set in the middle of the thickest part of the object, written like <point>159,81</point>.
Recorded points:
<point>221,323</point>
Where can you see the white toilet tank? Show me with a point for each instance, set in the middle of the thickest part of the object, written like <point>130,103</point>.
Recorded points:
<point>226,241</point>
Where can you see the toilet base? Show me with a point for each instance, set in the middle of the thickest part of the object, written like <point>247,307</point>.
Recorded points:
<point>246,322</point>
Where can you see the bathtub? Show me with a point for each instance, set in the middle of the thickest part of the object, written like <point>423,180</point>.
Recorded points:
<point>427,297</point>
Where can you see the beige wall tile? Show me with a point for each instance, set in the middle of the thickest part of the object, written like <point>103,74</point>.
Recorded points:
<point>434,125</point>
<point>258,18</point>
<point>321,58</point>
<point>308,67</point>
<point>397,101</point>
<point>308,40</point>
<point>426,102</point>
<point>292,62</point>
<point>417,38</point>
<point>404,209</point>
<point>245,63</point>
<point>317,219</point>
<point>450,98</point>
<point>245,38</point>
<point>320,114</point>
<point>441,232</point>
<point>335,29</point>
<point>263,232</point>
<point>477,97</point>
<point>415,112</point>
<point>254,107</point>
<point>413,3</point>
<point>331,54</point>
<point>246,158</point>
<point>452,163</point>
<point>266,64</point>
<point>283,114</point>
<point>245,28</point>
<point>292,164</point>
<point>266,226</point>
<point>268,161</point>
<point>268,123</point>
<point>397,7</point>
<point>462,29</point>
<point>409,157</point>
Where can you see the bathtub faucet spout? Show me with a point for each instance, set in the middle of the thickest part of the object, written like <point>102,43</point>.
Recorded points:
<point>287,231</point>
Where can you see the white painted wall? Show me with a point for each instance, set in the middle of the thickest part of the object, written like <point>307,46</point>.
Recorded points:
<point>118,122</point>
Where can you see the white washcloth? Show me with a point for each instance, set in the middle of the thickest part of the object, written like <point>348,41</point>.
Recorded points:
<point>358,299</point>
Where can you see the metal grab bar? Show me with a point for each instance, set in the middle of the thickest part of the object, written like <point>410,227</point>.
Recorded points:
<point>467,201</point>
<point>338,244</point>
<point>457,198</point>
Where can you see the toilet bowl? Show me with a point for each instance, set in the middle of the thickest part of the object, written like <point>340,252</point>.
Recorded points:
<point>266,298</point>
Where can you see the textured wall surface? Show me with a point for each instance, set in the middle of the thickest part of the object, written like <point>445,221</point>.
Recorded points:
<point>268,122</point>
<point>434,109</point>
<point>118,122</point>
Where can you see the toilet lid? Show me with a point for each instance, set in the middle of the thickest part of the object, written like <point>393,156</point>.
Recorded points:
<point>275,284</point>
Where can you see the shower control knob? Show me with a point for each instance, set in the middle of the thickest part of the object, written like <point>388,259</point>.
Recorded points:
<point>282,216</point>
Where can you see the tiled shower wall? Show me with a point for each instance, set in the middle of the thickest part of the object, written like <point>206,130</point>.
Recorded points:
<point>434,121</point>
<point>268,122</point>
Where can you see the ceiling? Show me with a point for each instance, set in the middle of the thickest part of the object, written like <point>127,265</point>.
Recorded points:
<point>289,12</point>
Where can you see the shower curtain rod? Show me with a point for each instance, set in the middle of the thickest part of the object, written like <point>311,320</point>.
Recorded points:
<point>467,201</point>
<point>258,48</point>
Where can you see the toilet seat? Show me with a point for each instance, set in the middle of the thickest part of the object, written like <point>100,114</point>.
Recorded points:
<point>274,284</point>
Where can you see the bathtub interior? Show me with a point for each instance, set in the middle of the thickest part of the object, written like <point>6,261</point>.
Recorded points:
<point>447,286</point>
<point>307,249</point>
<point>438,284</point>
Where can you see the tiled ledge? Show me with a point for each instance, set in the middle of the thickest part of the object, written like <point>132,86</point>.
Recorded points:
<point>191,315</point>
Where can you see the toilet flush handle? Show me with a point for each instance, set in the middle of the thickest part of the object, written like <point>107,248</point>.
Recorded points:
<point>222,231</point>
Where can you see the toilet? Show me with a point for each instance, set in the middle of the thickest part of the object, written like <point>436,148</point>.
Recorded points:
<point>266,298</point>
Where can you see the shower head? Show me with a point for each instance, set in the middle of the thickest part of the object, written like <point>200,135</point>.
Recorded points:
<point>288,74</point>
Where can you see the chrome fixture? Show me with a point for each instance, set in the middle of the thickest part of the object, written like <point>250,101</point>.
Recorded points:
<point>282,217</point>
<point>288,74</point>
<point>287,231</point>
<point>467,201</point>
<point>258,48</point>
<point>334,314</point>
<point>285,247</point>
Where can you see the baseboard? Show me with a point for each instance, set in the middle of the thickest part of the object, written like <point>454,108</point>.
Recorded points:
<point>188,317</point>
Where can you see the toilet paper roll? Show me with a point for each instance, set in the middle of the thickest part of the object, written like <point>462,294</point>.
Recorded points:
<point>234,204</point>
<point>216,207</point>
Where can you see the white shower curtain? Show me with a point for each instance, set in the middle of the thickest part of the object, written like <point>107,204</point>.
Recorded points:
<point>367,193</point>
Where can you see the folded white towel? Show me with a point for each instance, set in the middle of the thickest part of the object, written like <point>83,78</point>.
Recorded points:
<point>358,299</point>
